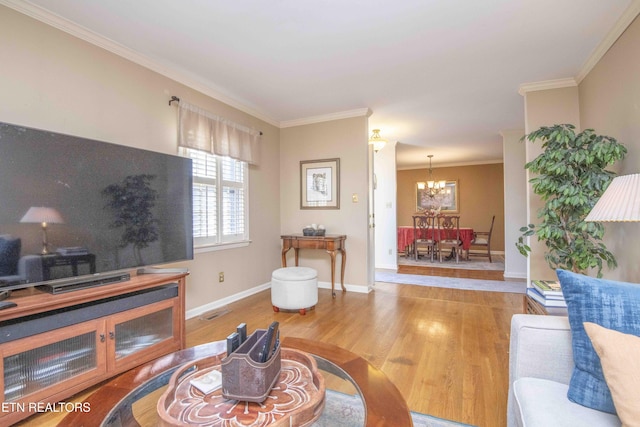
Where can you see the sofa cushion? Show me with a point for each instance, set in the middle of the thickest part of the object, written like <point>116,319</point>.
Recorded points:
<point>620,358</point>
<point>613,305</point>
<point>9,256</point>
<point>544,403</point>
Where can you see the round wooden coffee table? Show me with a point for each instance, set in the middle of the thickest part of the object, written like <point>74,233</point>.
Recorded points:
<point>112,403</point>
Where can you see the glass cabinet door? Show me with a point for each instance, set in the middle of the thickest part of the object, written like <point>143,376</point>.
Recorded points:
<point>74,354</point>
<point>143,331</point>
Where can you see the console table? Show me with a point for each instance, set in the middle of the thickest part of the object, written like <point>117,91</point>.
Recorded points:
<point>330,243</point>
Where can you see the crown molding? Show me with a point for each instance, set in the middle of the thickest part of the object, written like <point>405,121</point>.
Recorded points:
<point>360,112</point>
<point>632,11</point>
<point>53,20</point>
<point>454,164</point>
<point>614,33</point>
<point>56,21</point>
<point>546,85</point>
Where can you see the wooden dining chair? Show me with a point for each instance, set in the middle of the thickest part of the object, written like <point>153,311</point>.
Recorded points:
<point>424,231</point>
<point>449,235</point>
<point>482,240</point>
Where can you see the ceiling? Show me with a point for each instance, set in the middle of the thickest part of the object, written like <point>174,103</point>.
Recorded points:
<point>440,76</point>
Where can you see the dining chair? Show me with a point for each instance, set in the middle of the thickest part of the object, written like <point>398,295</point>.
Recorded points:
<point>449,235</point>
<point>424,231</point>
<point>482,240</point>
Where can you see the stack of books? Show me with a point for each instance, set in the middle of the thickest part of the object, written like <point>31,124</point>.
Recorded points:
<point>547,293</point>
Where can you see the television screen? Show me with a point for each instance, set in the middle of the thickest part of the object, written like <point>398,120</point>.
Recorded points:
<point>73,207</point>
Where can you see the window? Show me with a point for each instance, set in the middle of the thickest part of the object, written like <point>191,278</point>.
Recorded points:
<point>220,196</point>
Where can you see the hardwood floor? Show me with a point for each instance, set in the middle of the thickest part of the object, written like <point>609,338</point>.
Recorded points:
<point>451,272</point>
<point>445,349</point>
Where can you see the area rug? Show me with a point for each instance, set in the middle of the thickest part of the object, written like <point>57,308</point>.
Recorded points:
<point>343,410</point>
<point>471,264</point>
<point>519,287</point>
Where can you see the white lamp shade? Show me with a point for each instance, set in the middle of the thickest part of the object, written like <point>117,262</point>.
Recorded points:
<point>41,214</point>
<point>620,201</point>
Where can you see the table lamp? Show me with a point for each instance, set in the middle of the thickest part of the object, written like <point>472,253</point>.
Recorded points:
<point>44,216</point>
<point>620,201</point>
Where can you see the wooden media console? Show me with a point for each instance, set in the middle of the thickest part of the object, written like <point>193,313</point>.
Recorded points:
<point>54,346</point>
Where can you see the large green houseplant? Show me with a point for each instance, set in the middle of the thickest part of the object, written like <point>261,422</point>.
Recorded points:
<point>570,177</point>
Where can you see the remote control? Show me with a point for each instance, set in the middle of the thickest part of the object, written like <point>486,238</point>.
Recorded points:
<point>269,342</point>
<point>7,304</point>
<point>233,342</point>
<point>242,331</point>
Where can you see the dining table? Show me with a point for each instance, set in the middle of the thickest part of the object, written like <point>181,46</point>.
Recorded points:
<point>407,236</point>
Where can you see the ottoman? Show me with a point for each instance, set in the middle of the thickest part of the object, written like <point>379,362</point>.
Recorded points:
<point>294,288</point>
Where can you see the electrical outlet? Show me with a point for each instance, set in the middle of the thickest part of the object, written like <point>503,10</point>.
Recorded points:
<point>221,276</point>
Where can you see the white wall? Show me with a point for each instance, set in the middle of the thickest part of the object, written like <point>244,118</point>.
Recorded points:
<point>515,202</point>
<point>385,197</point>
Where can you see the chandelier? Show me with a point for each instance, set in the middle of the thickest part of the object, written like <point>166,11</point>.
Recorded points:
<point>433,187</point>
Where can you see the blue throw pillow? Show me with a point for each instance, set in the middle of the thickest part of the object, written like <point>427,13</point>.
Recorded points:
<point>9,256</point>
<point>613,305</point>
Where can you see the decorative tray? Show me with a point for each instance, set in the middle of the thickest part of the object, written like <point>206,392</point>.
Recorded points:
<point>296,399</point>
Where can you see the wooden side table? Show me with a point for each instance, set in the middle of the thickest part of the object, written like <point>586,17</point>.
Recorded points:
<point>331,243</point>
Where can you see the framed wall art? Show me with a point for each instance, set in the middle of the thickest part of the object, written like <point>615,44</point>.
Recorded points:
<point>320,184</point>
<point>446,199</point>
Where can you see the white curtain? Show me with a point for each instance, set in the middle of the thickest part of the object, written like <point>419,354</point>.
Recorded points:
<point>202,130</point>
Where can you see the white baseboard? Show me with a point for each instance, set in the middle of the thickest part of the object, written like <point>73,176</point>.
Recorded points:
<point>363,289</point>
<point>515,275</point>
<point>393,267</point>
<point>213,305</point>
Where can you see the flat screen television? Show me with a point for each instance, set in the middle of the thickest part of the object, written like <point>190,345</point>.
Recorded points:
<point>74,208</point>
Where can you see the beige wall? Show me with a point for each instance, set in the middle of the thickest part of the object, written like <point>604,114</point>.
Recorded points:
<point>610,104</point>
<point>607,101</point>
<point>481,193</point>
<point>545,108</point>
<point>347,140</point>
<point>51,80</point>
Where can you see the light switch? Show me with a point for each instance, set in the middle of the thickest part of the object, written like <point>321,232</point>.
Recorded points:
<point>354,197</point>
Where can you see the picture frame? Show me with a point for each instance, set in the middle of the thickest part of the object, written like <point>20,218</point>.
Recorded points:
<point>448,200</point>
<point>320,184</point>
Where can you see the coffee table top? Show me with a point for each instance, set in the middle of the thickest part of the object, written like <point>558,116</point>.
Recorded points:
<point>114,402</point>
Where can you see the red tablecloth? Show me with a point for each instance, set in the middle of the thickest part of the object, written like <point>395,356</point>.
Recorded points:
<point>406,237</point>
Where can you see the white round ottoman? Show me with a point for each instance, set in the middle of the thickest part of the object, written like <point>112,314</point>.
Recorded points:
<point>294,288</point>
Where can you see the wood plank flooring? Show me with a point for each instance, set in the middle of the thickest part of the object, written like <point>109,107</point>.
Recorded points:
<point>445,349</point>
<point>426,270</point>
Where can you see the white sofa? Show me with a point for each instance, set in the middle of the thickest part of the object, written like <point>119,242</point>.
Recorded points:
<point>540,367</point>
